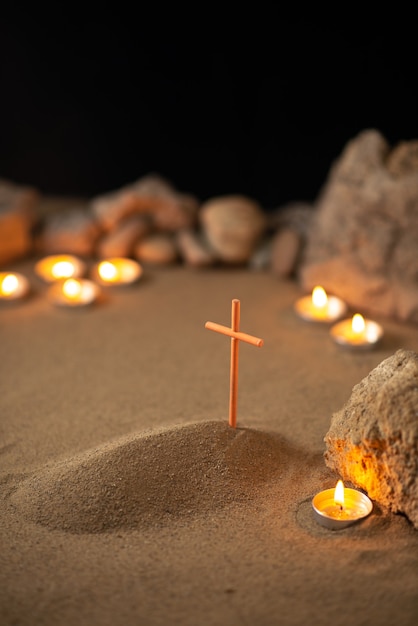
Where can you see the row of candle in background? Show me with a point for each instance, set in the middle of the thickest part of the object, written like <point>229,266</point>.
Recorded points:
<point>66,276</point>
<point>356,332</point>
<point>70,288</point>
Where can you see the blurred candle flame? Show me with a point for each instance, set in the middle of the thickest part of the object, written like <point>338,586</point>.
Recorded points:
<point>62,269</point>
<point>71,288</point>
<point>319,297</point>
<point>107,271</point>
<point>9,284</point>
<point>357,323</point>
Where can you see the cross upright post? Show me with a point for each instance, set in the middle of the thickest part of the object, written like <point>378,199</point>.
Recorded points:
<point>236,337</point>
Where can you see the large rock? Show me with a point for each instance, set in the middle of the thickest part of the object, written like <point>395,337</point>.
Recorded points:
<point>364,238</point>
<point>17,219</point>
<point>373,440</point>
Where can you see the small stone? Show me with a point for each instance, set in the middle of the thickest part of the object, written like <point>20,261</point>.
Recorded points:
<point>193,249</point>
<point>373,440</point>
<point>158,249</point>
<point>122,239</point>
<point>17,218</point>
<point>261,257</point>
<point>74,231</point>
<point>233,226</point>
<point>286,249</point>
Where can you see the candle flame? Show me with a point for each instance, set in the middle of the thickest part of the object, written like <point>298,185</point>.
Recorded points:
<point>71,288</point>
<point>9,284</point>
<point>339,493</point>
<point>319,297</point>
<point>357,323</point>
<point>107,271</point>
<point>62,269</point>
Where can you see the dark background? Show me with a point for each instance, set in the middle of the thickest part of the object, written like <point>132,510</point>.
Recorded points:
<point>261,108</point>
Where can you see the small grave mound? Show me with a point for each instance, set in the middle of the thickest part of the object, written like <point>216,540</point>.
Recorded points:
<point>149,479</point>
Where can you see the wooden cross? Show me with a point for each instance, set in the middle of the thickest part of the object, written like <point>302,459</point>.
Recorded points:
<point>236,336</point>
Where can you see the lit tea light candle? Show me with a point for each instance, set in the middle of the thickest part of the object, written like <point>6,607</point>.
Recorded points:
<point>73,292</point>
<point>13,286</point>
<point>340,507</point>
<point>59,266</point>
<point>118,271</point>
<point>357,332</point>
<point>320,307</point>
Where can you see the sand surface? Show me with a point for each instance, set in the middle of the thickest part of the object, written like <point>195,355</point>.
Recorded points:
<point>127,499</point>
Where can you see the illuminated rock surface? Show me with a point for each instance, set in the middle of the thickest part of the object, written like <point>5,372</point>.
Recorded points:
<point>373,439</point>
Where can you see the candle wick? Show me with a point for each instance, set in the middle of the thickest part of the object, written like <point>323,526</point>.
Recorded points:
<point>341,507</point>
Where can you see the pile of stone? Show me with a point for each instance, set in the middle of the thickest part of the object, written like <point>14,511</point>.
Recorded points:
<point>153,222</point>
<point>359,239</point>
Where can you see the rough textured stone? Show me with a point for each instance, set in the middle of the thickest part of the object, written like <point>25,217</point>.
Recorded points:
<point>373,440</point>
<point>122,239</point>
<point>363,242</point>
<point>74,231</point>
<point>233,226</point>
<point>17,218</point>
<point>152,196</point>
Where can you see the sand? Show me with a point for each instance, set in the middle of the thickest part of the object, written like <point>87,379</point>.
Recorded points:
<point>127,499</point>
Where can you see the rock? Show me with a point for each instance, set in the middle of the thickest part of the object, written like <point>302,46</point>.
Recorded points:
<point>122,239</point>
<point>233,226</point>
<point>373,440</point>
<point>286,248</point>
<point>17,219</point>
<point>74,231</point>
<point>193,248</point>
<point>362,245</point>
<point>151,195</point>
<point>260,258</point>
<point>157,249</point>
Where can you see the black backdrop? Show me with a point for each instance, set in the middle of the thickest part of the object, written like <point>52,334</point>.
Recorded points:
<point>90,105</point>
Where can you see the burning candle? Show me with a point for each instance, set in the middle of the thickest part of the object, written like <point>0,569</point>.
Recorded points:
<point>13,286</point>
<point>73,292</point>
<point>118,271</point>
<point>340,507</point>
<point>357,332</point>
<point>320,307</point>
<point>59,266</point>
